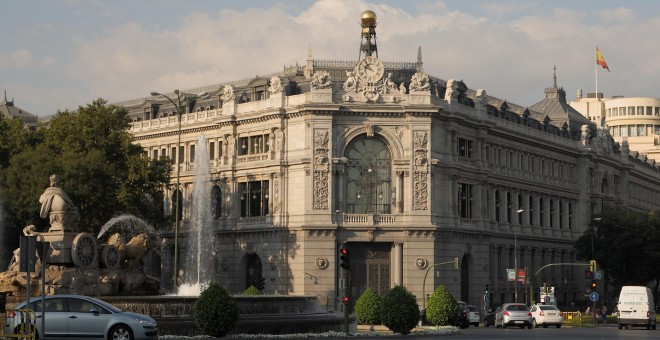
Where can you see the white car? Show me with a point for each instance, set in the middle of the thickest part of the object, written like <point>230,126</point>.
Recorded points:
<point>546,315</point>
<point>474,317</point>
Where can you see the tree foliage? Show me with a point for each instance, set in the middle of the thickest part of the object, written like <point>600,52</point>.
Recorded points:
<point>99,166</point>
<point>442,308</point>
<point>399,310</point>
<point>626,245</point>
<point>367,307</point>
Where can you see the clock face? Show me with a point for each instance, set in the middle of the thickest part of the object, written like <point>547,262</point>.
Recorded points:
<point>370,69</point>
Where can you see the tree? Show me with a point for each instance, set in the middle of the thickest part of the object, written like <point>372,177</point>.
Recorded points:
<point>399,310</point>
<point>216,312</point>
<point>367,307</point>
<point>442,309</point>
<point>625,244</point>
<point>100,167</point>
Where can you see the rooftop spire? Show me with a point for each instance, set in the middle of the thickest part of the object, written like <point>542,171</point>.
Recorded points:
<point>554,77</point>
<point>368,43</point>
<point>419,58</point>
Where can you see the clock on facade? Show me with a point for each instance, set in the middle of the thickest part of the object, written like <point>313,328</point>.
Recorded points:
<point>370,69</point>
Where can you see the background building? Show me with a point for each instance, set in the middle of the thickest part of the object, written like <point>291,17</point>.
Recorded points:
<point>633,121</point>
<point>8,109</point>
<point>406,169</point>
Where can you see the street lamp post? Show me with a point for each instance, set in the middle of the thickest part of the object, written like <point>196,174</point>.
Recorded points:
<point>180,102</point>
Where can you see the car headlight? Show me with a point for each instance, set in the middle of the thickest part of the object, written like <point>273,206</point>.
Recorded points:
<point>145,322</point>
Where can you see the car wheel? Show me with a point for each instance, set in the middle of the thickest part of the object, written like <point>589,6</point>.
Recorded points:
<point>534,324</point>
<point>504,325</point>
<point>121,332</point>
<point>545,326</point>
<point>522,327</point>
<point>529,326</point>
<point>559,326</point>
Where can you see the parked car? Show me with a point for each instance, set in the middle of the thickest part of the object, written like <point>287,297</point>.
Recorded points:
<point>463,320</point>
<point>489,318</point>
<point>83,317</point>
<point>513,314</point>
<point>475,316</point>
<point>546,315</point>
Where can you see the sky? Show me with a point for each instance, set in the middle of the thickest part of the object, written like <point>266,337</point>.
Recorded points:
<point>62,54</point>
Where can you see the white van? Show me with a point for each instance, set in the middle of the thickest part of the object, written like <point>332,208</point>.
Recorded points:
<point>636,307</point>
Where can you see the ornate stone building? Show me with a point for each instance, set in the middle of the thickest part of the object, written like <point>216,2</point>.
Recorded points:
<point>408,170</point>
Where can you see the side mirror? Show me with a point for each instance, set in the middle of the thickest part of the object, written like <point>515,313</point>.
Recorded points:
<point>94,311</point>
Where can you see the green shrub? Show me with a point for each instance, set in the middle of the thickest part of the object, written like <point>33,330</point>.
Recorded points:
<point>399,310</point>
<point>216,312</point>
<point>442,308</point>
<point>252,290</point>
<point>367,307</point>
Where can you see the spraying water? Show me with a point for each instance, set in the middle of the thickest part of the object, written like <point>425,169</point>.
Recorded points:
<point>128,226</point>
<point>199,254</point>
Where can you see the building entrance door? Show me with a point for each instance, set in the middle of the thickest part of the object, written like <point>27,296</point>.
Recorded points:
<point>370,268</point>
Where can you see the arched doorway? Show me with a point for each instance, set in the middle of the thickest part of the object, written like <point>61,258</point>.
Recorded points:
<point>252,270</point>
<point>368,176</point>
<point>465,278</point>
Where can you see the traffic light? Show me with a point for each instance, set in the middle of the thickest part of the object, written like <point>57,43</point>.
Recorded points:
<point>261,284</point>
<point>486,288</point>
<point>344,299</point>
<point>343,258</point>
<point>592,265</point>
<point>593,284</point>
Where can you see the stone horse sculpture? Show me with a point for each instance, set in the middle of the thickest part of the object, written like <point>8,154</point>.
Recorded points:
<point>132,252</point>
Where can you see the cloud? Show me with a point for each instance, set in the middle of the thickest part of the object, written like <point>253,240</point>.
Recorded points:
<point>16,59</point>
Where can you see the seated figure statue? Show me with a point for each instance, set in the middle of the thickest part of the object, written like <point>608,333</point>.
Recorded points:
<point>58,207</point>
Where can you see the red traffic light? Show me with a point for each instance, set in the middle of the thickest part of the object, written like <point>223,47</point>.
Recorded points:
<point>343,251</point>
<point>345,299</point>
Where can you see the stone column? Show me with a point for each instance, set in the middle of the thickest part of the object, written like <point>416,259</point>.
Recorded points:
<point>398,264</point>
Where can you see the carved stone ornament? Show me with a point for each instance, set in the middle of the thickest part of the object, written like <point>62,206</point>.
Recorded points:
<point>421,263</point>
<point>321,263</point>
<point>275,85</point>
<point>350,85</point>
<point>321,169</point>
<point>321,80</point>
<point>420,171</point>
<point>272,262</point>
<point>228,92</point>
<point>419,82</point>
<point>451,93</point>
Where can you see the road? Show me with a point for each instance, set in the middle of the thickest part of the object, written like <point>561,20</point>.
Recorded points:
<point>582,333</point>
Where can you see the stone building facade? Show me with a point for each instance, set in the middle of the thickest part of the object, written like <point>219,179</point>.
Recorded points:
<point>408,170</point>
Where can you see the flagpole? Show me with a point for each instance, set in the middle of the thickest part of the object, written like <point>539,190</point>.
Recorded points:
<point>596,73</point>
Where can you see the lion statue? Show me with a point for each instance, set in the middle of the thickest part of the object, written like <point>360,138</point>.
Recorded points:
<point>132,252</point>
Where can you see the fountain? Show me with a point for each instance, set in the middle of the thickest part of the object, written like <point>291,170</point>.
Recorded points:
<point>110,266</point>
<point>199,242</point>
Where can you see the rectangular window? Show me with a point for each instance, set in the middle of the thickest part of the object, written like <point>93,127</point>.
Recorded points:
<point>182,153</point>
<point>465,200</point>
<point>656,129</point>
<point>632,131</point>
<point>163,152</point>
<point>624,131</point>
<point>464,147</point>
<point>254,198</point>
<point>192,154</point>
<point>219,149</point>
<point>640,110</point>
<point>657,110</point>
<point>641,130</point>
<point>631,110</point>
<point>649,110</point>
<point>211,151</point>
<point>253,145</point>
<point>243,146</point>
<point>155,154</point>
<point>615,112</point>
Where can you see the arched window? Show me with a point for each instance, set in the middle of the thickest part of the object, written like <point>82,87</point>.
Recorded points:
<point>368,176</point>
<point>497,205</point>
<point>216,201</point>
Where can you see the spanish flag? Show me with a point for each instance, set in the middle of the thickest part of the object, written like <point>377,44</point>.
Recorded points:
<point>600,60</point>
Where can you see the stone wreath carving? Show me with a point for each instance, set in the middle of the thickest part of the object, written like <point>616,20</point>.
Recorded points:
<point>321,80</point>
<point>321,263</point>
<point>228,92</point>
<point>419,82</point>
<point>275,85</point>
<point>421,263</point>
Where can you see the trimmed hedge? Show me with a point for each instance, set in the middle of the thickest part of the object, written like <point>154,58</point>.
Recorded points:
<point>367,307</point>
<point>216,312</point>
<point>442,308</point>
<point>399,311</point>
<point>252,290</point>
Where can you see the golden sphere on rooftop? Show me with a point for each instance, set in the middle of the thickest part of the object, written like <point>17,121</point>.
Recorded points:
<point>368,18</point>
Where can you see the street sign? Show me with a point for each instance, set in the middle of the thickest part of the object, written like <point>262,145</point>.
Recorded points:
<point>511,274</point>
<point>547,299</point>
<point>593,296</point>
<point>598,275</point>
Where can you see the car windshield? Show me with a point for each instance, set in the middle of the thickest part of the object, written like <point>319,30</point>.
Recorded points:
<point>473,309</point>
<point>549,308</point>
<point>520,308</point>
